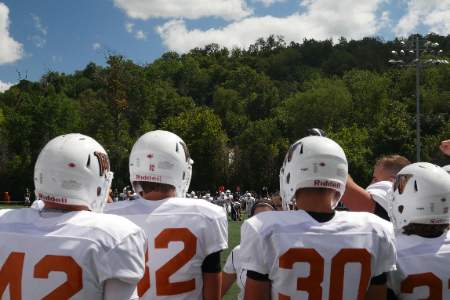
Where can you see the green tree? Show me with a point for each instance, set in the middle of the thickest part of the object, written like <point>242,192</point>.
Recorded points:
<point>324,103</point>
<point>202,131</point>
<point>355,142</point>
<point>260,154</point>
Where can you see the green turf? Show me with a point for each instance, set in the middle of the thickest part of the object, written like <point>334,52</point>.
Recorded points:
<point>234,236</point>
<point>10,206</point>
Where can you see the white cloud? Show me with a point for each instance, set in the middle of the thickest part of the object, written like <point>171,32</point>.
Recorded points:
<point>10,50</point>
<point>385,19</point>
<point>4,86</point>
<point>129,27</point>
<point>268,2</point>
<point>190,9</point>
<point>57,59</point>
<point>140,35</point>
<point>322,19</point>
<point>435,14</point>
<point>38,24</point>
<point>96,46</point>
<point>39,39</point>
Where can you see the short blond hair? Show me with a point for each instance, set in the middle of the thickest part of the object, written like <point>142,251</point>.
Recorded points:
<point>392,163</point>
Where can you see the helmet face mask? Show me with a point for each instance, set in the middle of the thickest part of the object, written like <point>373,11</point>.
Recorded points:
<point>162,157</point>
<point>313,162</point>
<point>421,195</point>
<point>73,169</point>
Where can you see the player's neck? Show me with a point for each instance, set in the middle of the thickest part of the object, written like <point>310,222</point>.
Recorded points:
<point>64,207</point>
<point>314,202</point>
<point>157,195</point>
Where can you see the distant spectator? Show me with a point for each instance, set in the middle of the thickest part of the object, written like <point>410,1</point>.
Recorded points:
<point>6,197</point>
<point>27,198</point>
<point>277,202</point>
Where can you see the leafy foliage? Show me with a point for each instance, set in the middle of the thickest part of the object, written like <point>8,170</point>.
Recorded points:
<point>238,110</point>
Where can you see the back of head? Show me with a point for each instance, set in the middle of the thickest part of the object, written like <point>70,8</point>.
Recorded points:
<point>161,157</point>
<point>73,169</point>
<point>313,162</point>
<point>261,205</point>
<point>392,163</point>
<point>421,195</point>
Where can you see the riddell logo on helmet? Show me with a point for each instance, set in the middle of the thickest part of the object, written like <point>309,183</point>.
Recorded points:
<point>438,221</point>
<point>52,198</point>
<point>148,178</point>
<point>327,184</point>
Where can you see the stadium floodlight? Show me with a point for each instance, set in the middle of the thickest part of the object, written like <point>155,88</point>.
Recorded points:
<point>410,51</point>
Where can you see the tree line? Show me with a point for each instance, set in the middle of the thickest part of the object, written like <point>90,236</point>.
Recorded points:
<point>238,110</point>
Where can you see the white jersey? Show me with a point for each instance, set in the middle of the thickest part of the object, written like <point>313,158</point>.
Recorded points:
<point>233,265</point>
<point>306,259</point>
<point>423,270</point>
<point>249,202</point>
<point>181,233</point>
<point>380,192</point>
<point>60,255</point>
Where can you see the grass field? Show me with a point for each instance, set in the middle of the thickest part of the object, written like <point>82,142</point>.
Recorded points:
<point>234,236</point>
<point>10,206</point>
<point>234,233</point>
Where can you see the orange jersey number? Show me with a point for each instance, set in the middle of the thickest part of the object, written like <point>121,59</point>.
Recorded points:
<point>429,280</point>
<point>163,285</point>
<point>312,283</point>
<point>11,275</point>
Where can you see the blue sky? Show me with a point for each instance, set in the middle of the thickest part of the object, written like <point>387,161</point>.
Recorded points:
<point>64,36</point>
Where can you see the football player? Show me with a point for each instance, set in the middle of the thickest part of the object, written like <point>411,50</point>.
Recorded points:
<point>375,197</point>
<point>249,202</point>
<point>421,217</point>
<point>67,249</point>
<point>232,270</point>
<point>185,236</point>
<point>316,252</point>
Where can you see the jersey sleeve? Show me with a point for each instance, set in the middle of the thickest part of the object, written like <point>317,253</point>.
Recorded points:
<point>252,250</point>
<point>380,192</point>
<point>229,264</point>
<point>387,255</point>
<point>216,233</point>
<point>125,261</point>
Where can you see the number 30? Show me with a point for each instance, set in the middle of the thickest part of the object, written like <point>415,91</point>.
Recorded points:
<point>312,283</point>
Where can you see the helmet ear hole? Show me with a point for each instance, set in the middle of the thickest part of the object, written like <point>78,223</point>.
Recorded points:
<point>288,178</point>
<point>99,191</point>
<point>301,149</point>
<point>401,208</point>
<point>88,164</point>
<point>184,175</point>
<point>415,186</point>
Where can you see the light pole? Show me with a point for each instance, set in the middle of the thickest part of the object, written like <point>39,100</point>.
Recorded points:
<point>414,47</point>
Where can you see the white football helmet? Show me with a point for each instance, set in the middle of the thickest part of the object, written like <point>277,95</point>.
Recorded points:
<point>313,162</point>
<point>421,194</point>
<point>446,168</point>
<point>162,157</point>
<point>73,169</point>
